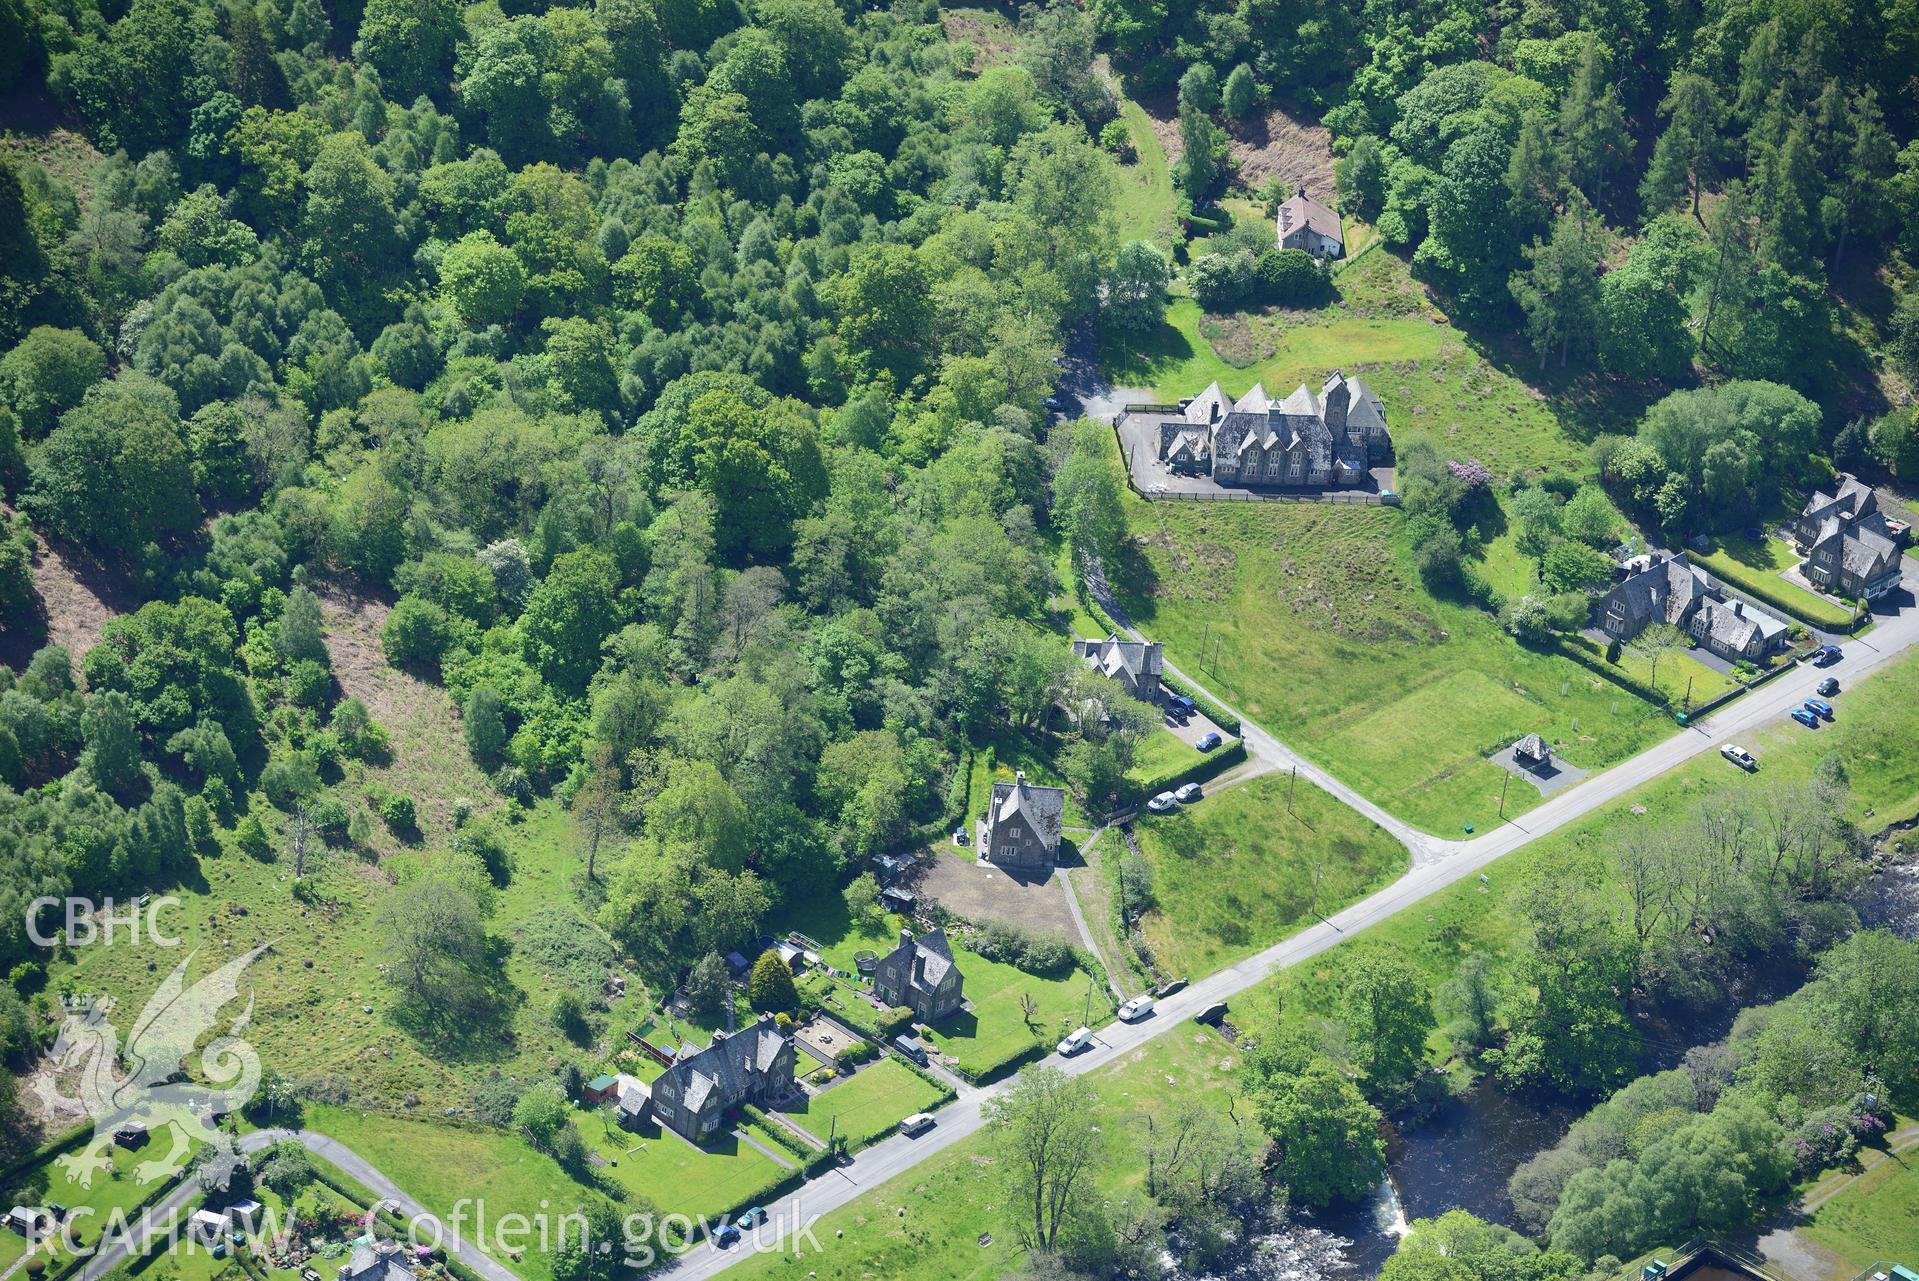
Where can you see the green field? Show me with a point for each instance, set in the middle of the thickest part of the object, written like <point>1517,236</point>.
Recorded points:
<point>1234,874</point>
<point>1144,210</point>
<point>955,1224</point>
<point>1874,1219</point>
<point>1755,565</point>
<point>868,1103</point>
<point>1325,635</point>
<point>1162,756</point>
<point>1876,734</point>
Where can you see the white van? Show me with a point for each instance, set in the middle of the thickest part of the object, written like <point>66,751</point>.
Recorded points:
<point>1136,1009</point>
<point>1076,1042</point>
<point>917,1124</point>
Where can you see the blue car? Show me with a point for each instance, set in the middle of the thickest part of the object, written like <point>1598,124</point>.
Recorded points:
<point>726,1236</point>
<point>1208,741</point>
<point>1805,718</point>
<point>1826,656</point>
<point>1819,707</point>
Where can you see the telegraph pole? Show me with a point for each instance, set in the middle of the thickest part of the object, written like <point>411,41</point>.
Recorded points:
<point>1502,795</point>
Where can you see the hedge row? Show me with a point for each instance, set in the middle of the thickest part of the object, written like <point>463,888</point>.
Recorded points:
<point>353,1190</point>
<point>1199,771</point>
<point>1833,618</point>
<point>1214,712</point>
<point>1592,657</point>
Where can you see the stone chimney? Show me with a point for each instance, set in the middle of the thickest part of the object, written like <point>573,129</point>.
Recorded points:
<point>906,938</point>
<point>1739,609</point>
<point>1019,778</point>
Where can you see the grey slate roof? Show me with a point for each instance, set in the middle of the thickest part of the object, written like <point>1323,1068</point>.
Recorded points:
<point>931,957</point>
<point>1135,663</point>
<point>722,1066</point>
<point>1301,210</point>
<point>1041,807</point>
<point>1664,592</point>
<point>1532,747</point>
<point>368,1263</point>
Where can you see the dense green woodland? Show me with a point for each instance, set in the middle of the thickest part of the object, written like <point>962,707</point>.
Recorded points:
<point>677,370</point>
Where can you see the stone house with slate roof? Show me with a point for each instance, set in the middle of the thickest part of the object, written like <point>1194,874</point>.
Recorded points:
<point>385,1261</point>
<point>1022,825</point>
<point>1134,664</point>
<point>1308,440</point>
<point>752,1065</point>
<point>1850,548</point>
<point>1670,591</point>
<point>920,975</point>
<point>1304,223</point>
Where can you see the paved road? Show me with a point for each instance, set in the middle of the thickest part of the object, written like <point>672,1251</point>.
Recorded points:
<point>1436,864</point>
<point>167,1211</point>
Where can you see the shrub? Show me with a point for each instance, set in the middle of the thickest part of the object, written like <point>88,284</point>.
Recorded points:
<point>416,633</point>
<point>770,985</point>
<point>1117,139</point>
<point>329,815</point>
<point>308,684</point>
<point>1291,278</point>
<point>1036,954</point>
<point>396,812</point>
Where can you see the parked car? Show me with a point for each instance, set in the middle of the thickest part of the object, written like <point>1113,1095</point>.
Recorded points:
<point>1827,655</point>
<point>959,836</point>
<point>1819,707</point>
<point>1162,803</point>
<point>1181,704</point>
<point>910,1048</point>
<point>726,1236</point>
<point>1076,1042</point>
<point>917,1124</point>
<point>1805,718</point>
<point>1169,987</point>
<point>1188,794</point>
<point>1157,487</point>
<point>1211,1014</point>
<point>1208,741</point>
<point>1136,1009</point>
<point>753,1217</point>
<point>1828,687</point>
<point>1739,756</point>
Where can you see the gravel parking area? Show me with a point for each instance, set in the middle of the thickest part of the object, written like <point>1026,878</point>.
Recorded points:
<point>983,893</point>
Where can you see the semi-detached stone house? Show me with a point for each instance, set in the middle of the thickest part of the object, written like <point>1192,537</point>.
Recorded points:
<point>752,1065</point>
<point>1671,591</point>
<point>1850,548</point>
<point>1022,825</point>
<point>920,975</point>
<point>1313,441</point>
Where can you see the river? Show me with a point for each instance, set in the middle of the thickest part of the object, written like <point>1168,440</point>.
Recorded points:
<point>1461,1154</point>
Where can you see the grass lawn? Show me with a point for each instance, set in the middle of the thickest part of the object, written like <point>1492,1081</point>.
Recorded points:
<point>442,1166</point>
<point>1875,1219</point>
<point>1234,874</point>
<point>662,1168</point>
<point>953,1201</point>
<point>994,1031</point>
<point>868,1103</point>
<point>115,1189</point>
<point>1145,208</point>
<point>1876,734</point>
<point>1325,635</point>
<point>1161,756</point>
<point>1755,565</point>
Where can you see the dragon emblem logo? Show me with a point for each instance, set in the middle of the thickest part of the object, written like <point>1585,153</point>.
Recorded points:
<point>152,1094</point>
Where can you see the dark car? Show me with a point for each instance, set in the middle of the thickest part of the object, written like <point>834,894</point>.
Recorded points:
<point>1169,987</point>
<point>1208,741</point>
<point>1818,707</point>
<point>1211,1014</point>
<point>1179,703</point>
<point>1826,655</point>
<point>1806,718</point>
<point>1828,687</point>
<point>726,1236</point>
